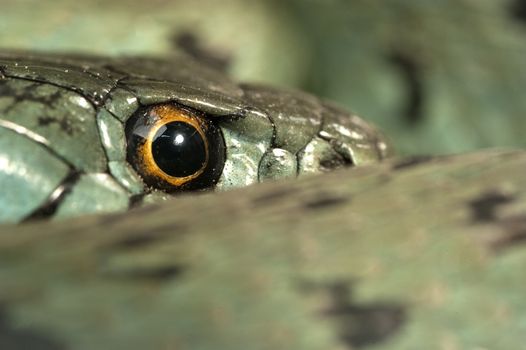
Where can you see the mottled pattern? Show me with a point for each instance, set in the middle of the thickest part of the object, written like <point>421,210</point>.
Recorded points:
<point>75,108</point>
<point>359,258</point>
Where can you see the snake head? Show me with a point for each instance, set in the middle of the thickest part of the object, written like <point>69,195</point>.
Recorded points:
<point>95,134</point>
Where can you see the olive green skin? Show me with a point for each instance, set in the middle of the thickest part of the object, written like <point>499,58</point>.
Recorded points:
<point>63,145</point>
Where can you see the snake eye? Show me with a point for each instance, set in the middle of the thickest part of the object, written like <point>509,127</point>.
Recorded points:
<point>174,148</point>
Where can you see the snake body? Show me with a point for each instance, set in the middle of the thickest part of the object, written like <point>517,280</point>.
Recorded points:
<point>422,253</point>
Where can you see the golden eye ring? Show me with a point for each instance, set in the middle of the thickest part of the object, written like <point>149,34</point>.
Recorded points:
<point>167,115</point>
<point>175,148</point>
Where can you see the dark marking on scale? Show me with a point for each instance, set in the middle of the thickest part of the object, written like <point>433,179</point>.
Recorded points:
<point>359,325</point>
<point>163,273</point>
<point>51,205</point>
<point>27,93</point>
<point>324,201</point>
<point>411,162</point>
<point>140,239</point>
<point>484,208</point>
<point>64,123</point>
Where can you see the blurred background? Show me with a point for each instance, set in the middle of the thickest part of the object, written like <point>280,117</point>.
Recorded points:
<point>438,76</point>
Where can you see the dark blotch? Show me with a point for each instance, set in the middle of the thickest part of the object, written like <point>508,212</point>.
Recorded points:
<point>145,237</point>
<point>157,274</point>
<point>324,202</point>
<point>136,241</point>
<point>511,230</point>
<point>6,89</point>
<point>14,338</point>
<point>17,95</point>
<point>411,162</point>
<point>361,325</point>
<point>28,93</point>
<point>64,124</point>
<point>518,10</point>
<point>53,98</point>
<point>412,76</point>
<point>190,43</point>
<point>484,208</point>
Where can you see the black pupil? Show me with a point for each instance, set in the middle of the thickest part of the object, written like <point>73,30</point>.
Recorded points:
<point>178,149</point>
